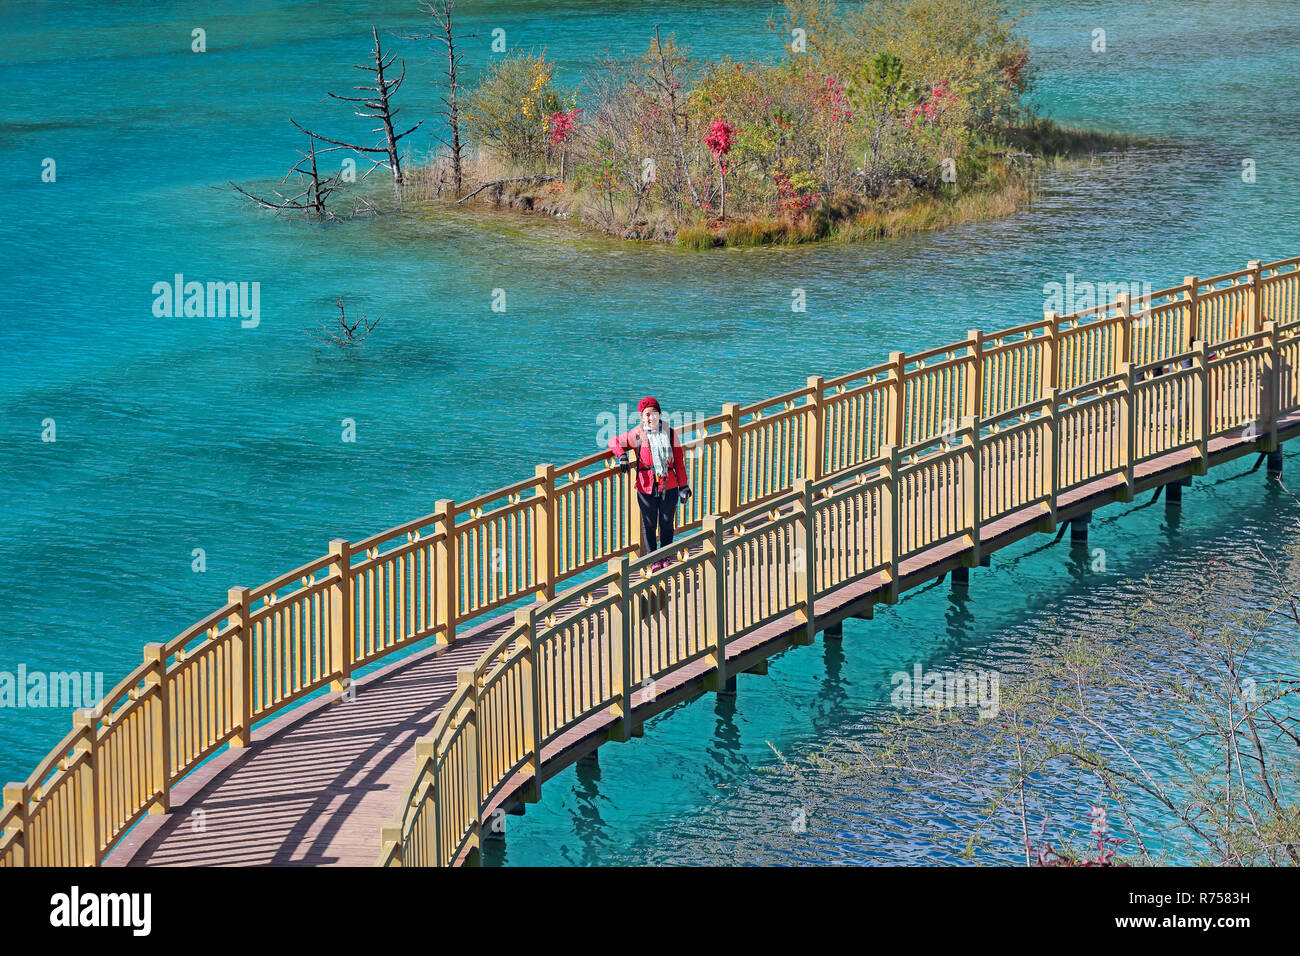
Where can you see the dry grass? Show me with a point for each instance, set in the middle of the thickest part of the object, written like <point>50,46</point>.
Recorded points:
<point>850,218</point>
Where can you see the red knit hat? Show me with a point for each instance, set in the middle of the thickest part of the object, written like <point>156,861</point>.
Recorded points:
<point>648,402</point>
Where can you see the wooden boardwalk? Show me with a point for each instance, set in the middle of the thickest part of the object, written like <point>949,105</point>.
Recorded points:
<point>316,785</point>
<point>229,744</point>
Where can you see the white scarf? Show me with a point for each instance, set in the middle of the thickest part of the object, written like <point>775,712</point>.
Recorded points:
<point>660,444</point>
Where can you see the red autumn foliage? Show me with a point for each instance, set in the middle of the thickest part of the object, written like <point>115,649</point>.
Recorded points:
<point>719,139</point>
<point>563,126</point>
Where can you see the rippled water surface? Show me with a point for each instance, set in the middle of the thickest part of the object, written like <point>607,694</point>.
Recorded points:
<point>177,434</point>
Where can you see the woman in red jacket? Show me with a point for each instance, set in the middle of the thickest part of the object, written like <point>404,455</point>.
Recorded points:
<point>660,474</point>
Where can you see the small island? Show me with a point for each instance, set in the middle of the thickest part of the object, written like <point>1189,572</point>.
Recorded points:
<point>882,119</point>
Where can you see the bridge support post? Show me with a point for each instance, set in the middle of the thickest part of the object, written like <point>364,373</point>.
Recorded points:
<point>155,658</point>
<point>1079,529</point>
<point>898,400</point>
<point>715,597</point>
<point>1201,363</point>
<point>446,587</point>
<point>544,525</point>
<point>1051,476</point>
<point>973,497</point>
<point>84,723</point>
<point>728,687</point>
<point>530,683</point>
<point>621,639</point>
<point>1174,492</point>
<point>241,668</point>
<point>804,559</point>
<point>973,400</point>
<point>961,577</point>
<point>1272,400</point>
<point>834,632</point>
<point>340,610</point>
<point>466,677</point>
<point>1275,464</point>
<point>15,795</point>
<point>390,835</point>
<point>814,433</point>
<point>892,509</point>
<point>729,461</point>
<point>1128,433</point>
<point>1191,294</point>
<point>1256,296</point>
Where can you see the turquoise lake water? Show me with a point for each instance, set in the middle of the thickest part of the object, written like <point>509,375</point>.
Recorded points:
<point>177,434</point>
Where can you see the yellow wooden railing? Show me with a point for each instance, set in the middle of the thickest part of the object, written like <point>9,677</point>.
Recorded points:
<point>777,484</point>
<point>845,479</point>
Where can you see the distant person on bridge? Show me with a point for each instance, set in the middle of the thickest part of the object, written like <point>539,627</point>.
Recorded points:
<point>660,474</point>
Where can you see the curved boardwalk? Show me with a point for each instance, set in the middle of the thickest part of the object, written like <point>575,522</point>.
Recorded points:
<point>315,786</point>
<point>809,507</point>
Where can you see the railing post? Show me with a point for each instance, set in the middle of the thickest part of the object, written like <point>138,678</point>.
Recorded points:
<point>898,375</point>
<point>973,493</point>
<point>1123,331</point>
<point>814,436</point>
<point>1051,370</point>
<point>1051,460</point>
<point>620,639</point>
<point>526,618</point>
<point>155,658</point>
<point>805,561</point>
<point>426,756</point>
<point>974,399</point>
<point>84,722</point>
<point>544,531</point>
<point>447,574</point>
<point>729,461</point>
<point>390,834</point>
<point>1128,440</point>
<point>15,794</point>
<point>1270,405</point>
<point>341,617</point>
<point>1201,363</point>
<point>474,790</point>
<point>715,609</point>
<point>1256,296</point>
<point>435,787</point>
<point>892,513</point>
<point>241,667</point>
<point>1193,309</point>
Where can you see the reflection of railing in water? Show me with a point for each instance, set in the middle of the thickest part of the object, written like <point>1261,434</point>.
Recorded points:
<point>829,483</point>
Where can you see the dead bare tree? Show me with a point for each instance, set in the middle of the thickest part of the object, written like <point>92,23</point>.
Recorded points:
<point>344,333</point>
<point>315,192</point>
<point>668,81</point>
<point>379,102</point>
<point>446,38</point>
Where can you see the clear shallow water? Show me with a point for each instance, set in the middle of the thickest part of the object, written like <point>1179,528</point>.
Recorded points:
<point>176,434</point>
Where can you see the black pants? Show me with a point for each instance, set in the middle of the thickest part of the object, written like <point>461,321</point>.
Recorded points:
<point>657,513</point>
